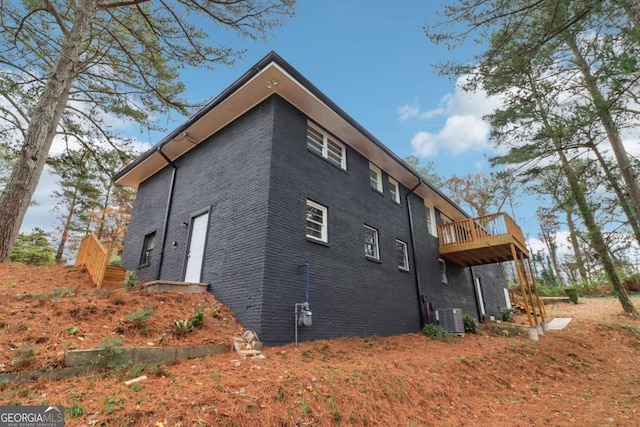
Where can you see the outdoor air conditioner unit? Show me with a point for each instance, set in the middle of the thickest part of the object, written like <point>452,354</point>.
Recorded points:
<point>451,320</point>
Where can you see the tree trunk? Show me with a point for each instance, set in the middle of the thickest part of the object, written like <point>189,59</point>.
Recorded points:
<point>65,230</point>
<point>578,192</point>
<point>613,135</point>
<point>577,252</point>
<point>103,214</point>
<point>43,123</point>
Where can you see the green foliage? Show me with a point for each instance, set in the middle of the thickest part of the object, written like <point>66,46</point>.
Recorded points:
<point>32,249</point>
<point>77,195</point>
<point>136,370</point>
<point>182,327</point>
<point>73,330</point>
<point>138,319</point>
<point>435,331</point>
<point>428,171</point>
<point>131,281</point>
<point>572,293</point>
<point>506,313</point>
<point>470,324</point>
<point>75,410</point>
<point>113,404</point>
<point>7,159</point>
<point>110,355</point>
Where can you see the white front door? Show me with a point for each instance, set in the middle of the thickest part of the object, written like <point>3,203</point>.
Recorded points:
<point>483,311</point>
<point>197,240</point>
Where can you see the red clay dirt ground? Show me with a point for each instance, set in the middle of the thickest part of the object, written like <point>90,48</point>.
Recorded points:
<point>584,375</point>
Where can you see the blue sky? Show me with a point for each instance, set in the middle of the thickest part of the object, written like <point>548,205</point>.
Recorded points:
<point>373,59</point>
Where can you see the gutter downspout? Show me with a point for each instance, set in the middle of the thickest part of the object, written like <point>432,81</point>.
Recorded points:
<point>413,249</point>
<point>165,226</point>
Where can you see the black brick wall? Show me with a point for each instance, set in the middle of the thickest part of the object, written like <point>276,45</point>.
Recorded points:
<point>228,174</point>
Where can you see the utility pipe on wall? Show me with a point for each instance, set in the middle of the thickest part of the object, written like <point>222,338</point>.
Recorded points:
<point>165,226</point>
<point>413,249</point>
<point>302,313</point>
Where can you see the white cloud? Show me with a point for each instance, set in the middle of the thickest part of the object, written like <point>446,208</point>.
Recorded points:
<point>459,134</point>
<point>464,128</point>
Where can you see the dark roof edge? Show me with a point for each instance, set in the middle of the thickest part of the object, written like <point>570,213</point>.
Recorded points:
<point>248,75</point>
<point>253,71</point>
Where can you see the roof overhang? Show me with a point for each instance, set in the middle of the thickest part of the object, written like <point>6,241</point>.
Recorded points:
<point>272,75</point>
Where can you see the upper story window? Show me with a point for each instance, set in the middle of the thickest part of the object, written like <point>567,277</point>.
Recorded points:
<point>394,189</point>
<point>316,221</point>
<point>431,224</point>
<point>375,177</point>
<point>403,255</point>
<point>371,245</point>
<point>147,248</point>
<point>326,146</point>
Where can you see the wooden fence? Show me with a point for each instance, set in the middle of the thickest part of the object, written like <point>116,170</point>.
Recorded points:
<point>93,256</point>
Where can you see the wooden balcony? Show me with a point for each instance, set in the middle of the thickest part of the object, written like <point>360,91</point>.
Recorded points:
<point>483,240</point>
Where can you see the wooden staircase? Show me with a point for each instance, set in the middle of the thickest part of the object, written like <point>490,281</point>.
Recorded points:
<point>94,257</point>
<point>114,277</point>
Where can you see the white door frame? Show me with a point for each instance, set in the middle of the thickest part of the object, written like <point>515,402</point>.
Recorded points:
<point>194,261</point>
<point>480,297</point>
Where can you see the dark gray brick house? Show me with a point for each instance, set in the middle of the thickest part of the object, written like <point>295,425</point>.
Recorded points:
<point>271,194</point>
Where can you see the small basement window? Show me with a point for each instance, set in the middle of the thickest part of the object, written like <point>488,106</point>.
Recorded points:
<point>147,248</point>
<point>443,271</point>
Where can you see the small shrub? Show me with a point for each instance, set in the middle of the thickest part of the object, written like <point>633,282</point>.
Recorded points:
<point>75,410</point>
<point>435,331</point>
<point>506,313</point>
<point>131,281</point>
<point>572,293</point>
<point>470,324</point>
<point>138,319</point>
<point>182,327</point>
<point>197,320</point>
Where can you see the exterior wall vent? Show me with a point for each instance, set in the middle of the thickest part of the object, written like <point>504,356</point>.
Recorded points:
<point>451,320</point>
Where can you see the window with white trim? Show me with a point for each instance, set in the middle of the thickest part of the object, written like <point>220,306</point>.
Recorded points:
<point>394,189</point>
<point>403,255</point>
<point>326,146</point>
<point>443,271</point>
<point>147,248</point>
<point>375,177</point>
<point>431,224</point>
<point>371,246</point>
<point>316,221</point>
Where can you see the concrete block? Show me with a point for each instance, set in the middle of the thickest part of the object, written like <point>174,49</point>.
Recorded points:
<point>155,355</point>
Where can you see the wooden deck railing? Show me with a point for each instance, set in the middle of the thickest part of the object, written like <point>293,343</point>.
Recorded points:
<point>481,228</point>
<point>95,258</point>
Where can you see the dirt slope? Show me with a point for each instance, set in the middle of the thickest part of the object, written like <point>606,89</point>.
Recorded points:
<point>585,375</point>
